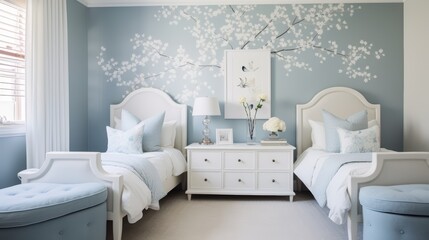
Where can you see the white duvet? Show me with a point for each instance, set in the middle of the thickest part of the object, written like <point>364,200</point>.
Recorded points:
<point>307,168</point>
<point>136,196</point>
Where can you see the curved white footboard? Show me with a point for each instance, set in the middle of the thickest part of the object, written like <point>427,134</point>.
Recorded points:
<point>81,167</point>
<point>388,168</point>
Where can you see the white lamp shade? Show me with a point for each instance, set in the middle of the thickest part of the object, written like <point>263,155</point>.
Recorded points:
<point>206,106</point>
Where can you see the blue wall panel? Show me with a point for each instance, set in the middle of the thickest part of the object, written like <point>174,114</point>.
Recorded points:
<point>131,47</point>
<point>78,75</point>
<point>12,159</point>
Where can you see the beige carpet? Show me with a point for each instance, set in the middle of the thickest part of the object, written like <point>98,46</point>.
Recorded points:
<point>209,217</point>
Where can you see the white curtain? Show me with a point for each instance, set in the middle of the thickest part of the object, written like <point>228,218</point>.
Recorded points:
<point>47,90</point>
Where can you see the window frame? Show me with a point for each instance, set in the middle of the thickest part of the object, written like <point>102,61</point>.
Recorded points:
<point>15,128</point>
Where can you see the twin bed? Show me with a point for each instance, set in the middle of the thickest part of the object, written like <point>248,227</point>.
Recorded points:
<point>130,192</point>
<point>335,178</point>
<point>128,195</point>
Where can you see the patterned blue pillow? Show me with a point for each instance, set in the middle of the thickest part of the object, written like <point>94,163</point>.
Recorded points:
<point>129,141</point>
<point>357,121</point>
<point>360,141</point>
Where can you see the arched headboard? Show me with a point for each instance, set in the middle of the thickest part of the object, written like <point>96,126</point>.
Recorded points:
<point>341,101</point>
<point>146,102</point>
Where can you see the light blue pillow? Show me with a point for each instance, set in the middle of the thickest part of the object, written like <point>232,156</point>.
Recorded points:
<point>357,121</point>
<point>152,129</point>
<point>152,133</point>
<point>128,120</point>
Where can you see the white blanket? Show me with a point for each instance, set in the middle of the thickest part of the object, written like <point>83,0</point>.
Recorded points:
<point>136,195</point>
<point>307,168</point>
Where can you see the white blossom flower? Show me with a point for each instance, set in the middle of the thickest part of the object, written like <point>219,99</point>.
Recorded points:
<point>262,97</point>
<point>243,100</point>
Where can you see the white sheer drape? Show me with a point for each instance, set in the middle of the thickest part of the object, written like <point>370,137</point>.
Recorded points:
<point>47,89</point>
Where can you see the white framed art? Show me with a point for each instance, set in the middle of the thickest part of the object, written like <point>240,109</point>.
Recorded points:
<point>224,136</point>
<point>248,75</point>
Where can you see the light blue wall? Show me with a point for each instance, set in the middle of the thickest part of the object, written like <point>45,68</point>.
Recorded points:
<point>110,31</point>
<point>12,159</point>
<point>78,74</point>
<point>12,149</point>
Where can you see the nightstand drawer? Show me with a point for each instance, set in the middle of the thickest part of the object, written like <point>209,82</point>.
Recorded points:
<point>274,161</point>
<point>274,181</point>
<point>206,179</point>
<point>206,160</point>
<point>240,160</point>
<point>239,180</point>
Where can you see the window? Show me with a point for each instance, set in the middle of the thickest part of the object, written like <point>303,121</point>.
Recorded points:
<point>12,62</point>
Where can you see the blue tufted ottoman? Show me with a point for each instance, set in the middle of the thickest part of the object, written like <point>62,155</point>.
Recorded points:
<point>395,212</point>
<point>53,211</point>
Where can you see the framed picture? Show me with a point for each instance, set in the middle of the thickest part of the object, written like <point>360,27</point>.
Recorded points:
<point>248,75</point>
<point>224,136</point>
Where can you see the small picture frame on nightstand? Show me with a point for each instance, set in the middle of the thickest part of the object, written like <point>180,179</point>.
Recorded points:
<point>224,136</point>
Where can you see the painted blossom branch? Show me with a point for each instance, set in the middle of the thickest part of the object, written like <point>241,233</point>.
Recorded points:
<point>257,34</point>
<point>287,31</point>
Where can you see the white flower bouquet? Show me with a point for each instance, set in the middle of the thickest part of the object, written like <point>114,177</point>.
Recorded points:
<point>274,125</point>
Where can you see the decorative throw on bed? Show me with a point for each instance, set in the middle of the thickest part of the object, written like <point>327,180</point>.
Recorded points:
<point>142,168</point>
<point>330,168</point>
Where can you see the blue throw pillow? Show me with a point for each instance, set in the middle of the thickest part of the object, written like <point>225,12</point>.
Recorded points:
<point>152,129</point>
<point>152,133</point>
<point>128,120</point>
<point>357,121</point>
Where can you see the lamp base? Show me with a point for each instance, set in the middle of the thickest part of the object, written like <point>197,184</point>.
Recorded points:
<point>206,141</point>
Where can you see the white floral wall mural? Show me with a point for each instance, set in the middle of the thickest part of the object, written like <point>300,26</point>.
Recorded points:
<point>289,31</point>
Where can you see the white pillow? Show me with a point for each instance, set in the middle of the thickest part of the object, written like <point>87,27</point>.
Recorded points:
<point>129,141</point>
<point>317,134</point>
<point>168,134</point>
<point>359,141</point>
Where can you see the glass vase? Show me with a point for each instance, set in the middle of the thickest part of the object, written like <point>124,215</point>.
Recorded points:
<point>273,135</point>
<point>250,136</point>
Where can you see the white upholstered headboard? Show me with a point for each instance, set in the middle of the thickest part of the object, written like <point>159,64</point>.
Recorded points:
<point>146,102</point>
<point>341,101</point>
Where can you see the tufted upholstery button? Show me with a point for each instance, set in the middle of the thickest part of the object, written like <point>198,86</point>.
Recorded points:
<point>88,224</point>
<point>402,232</point>
<point>61,232</point>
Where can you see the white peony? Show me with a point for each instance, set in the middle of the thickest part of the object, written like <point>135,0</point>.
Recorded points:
<point>274,124</point>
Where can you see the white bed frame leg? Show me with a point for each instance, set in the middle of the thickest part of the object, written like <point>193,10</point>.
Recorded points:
<point>352,227</point>
<point>117,229</point>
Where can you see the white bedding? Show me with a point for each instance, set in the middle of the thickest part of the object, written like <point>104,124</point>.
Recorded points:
<point>307,168</point>
<point>136,195</point>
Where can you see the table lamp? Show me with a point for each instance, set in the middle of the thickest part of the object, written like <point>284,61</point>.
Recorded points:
<point>206,106</point>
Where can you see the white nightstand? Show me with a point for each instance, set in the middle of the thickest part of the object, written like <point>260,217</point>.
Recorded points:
<point>240,169</point>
